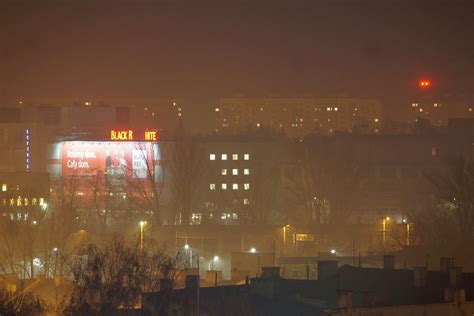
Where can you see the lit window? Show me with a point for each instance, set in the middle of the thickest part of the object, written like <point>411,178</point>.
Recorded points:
<point>217,109</point>
<point>246,156</point>
<point>4,187</point>
<point>246,201</point>
<point>224,157</point>
<point>421,110</point>
<point>246,186</point>
<point>235,172</point>
<point>224,172</point>
<point>80,193</point>
<point>258,124</point>
<point>33,201</point>
<point>435,105</point>
<point>212,186</point>
<point>246,172</point>
<point>235,186</point>
<point>41,201</point>
<point>235,157</point>
<point>376,120</point>
<point>224,186</point>
<point>335,109</point>
<point>212,157</point>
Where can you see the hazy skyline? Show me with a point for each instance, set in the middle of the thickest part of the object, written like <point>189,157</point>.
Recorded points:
<point>206,50</point>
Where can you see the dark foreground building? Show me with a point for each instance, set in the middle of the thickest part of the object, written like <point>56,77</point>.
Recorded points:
<point>344,290</point>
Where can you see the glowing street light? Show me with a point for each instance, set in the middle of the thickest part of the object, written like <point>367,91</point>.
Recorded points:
<point>284,237</point>
<point>253,250</point>
<point>333,251</point>
<point>186,246</point>
<point>142,227</point>
<point>384,230</point>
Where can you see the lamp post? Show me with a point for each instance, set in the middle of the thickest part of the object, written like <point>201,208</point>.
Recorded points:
<point>384,226</point>
<point>284,237</point>
<point>142,228</point>
<point>188,248</point>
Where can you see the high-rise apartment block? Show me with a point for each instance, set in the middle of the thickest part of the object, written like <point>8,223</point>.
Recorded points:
<point>298,117</point>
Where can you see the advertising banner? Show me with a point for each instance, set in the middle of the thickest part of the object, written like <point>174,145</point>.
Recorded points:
<point>119,162</point>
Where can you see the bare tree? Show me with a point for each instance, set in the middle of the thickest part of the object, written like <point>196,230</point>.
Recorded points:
<point>21,303</point>
<point>144,187</point>
<point>187,172</point>
<point>322,182</point>
<point>454,187</point>
<point>114,278</point>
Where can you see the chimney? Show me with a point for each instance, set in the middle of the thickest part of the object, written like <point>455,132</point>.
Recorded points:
<point>388,262</point>
<point>191,282</point>
<point>270,272</point>
<point>446,263</point>
<point>327,269</point>
<point>419,276</point>
<point>166,284</point>
<point>455,277</point>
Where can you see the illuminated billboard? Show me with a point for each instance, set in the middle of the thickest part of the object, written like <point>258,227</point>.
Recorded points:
<point>114,163</point>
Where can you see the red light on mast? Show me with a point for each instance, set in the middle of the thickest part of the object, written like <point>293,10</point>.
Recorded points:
<point>424,84</point>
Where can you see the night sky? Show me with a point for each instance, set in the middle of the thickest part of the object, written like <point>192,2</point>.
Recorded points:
<point>203,50</point>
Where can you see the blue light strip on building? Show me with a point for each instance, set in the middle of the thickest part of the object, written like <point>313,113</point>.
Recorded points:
<point>28,155</point>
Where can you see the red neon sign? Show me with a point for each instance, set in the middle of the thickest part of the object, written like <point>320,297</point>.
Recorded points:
<point>150,135</point>
<point>121,135</point>
<point>128,135</point>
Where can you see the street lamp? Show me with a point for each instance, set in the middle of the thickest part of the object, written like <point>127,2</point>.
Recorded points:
<point>333,251</point>
<point>284,237</point>
<point>188,248</point>
<point>142,227</point>
<point>214,260</point>
<point>253,250</point>
<point>384,225</point>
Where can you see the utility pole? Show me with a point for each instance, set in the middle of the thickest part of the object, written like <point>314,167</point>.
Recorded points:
<point>198,286</point>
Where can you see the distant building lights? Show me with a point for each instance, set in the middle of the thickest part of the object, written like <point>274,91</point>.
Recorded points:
<point>28,149</point>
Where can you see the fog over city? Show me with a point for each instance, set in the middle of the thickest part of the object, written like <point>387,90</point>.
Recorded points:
<point>238,157</point>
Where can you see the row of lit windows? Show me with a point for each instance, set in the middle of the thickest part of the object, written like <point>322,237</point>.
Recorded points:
<point>23,202</point>
<point>235,186</point>
<point>235,172</point>
<point>224,156</point>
